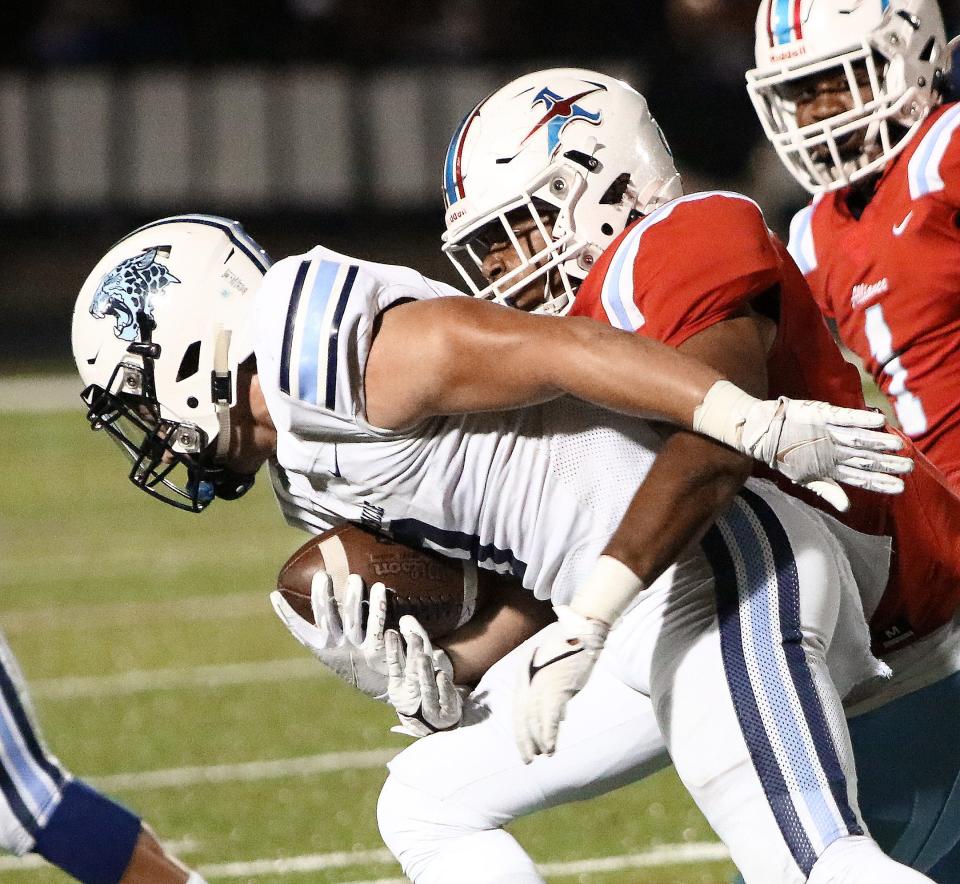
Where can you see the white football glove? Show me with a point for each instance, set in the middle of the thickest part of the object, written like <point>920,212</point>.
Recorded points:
<point>349,639</point>
<point>558,669</point>
<point>811,443</point>
<point>420,682</point>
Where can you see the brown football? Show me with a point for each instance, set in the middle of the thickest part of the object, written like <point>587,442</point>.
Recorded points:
<point>441,593</point>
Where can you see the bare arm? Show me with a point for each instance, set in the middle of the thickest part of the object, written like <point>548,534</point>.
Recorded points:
<point>693,478</point>
<point>457,355</point>
<point>508,618</point>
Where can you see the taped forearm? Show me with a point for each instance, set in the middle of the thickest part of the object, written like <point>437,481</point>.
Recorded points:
<point>607,592</point>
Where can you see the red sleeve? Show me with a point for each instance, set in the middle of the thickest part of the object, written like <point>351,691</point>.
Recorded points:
<point>699,264</point>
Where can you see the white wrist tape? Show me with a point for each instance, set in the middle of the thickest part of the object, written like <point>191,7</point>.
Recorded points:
<point>607,591</point>
<point>723,413</point>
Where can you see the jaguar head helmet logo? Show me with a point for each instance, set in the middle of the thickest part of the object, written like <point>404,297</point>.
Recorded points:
<point>129,289</point>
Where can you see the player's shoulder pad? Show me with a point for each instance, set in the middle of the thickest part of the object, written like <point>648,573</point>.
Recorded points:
<point>693,219</point>
<point>937,149</point>
<point>318,317</point>
<point>697,211</point>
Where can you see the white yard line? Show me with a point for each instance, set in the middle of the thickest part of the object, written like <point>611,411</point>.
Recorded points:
<point>665,855</point>
<point>294,865</point>
<point>213,676</point>
<point>107,615</point>
<point>120,561</point>
<point>246,772</point>
<point>40,393</point>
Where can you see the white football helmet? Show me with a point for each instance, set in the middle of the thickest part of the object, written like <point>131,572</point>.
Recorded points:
<point>572,142</point>
<point>159,329</point>
<point>899,43</point>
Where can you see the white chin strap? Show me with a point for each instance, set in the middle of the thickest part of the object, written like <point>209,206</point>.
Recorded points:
<point>221,391</point>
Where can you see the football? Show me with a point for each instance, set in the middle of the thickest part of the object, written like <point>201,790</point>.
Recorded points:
<point>441,593</point>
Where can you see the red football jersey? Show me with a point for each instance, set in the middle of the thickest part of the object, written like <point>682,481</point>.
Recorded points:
<point>697,261</point>
<point>891,280</point>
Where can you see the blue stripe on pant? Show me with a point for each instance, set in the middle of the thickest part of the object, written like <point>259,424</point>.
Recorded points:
<point>780,713</point>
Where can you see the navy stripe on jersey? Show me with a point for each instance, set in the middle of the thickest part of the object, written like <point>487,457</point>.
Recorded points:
<point>289,326</point>
<point>31,773</point>
<point>770,682</point>
<point>11,796</point>
<point>331,398</point>
<point>312,334</point>
<point>311,325</point>
<point>413,532</point>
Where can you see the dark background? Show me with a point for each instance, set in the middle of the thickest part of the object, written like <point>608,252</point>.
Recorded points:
<point>687,56</point>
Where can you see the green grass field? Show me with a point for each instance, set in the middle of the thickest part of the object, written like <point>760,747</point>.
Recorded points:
<point>161,674</point>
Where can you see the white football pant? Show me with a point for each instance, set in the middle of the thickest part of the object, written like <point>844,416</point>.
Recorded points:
<point>727,674</point>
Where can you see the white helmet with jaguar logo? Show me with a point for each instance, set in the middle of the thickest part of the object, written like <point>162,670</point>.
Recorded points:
<point>159,329</point>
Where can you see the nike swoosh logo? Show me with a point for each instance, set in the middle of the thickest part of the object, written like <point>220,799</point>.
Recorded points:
<point>899,228</point>
<point>784,453</point>
<point>534,669</point>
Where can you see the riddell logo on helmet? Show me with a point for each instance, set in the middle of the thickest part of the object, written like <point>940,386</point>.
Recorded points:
<point>787,52</point>
<point>455,215</point>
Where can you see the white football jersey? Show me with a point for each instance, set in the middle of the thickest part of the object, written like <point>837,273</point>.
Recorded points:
<point>535,492</point>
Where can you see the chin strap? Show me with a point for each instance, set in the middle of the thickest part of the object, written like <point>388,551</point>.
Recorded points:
<point>221,391</point>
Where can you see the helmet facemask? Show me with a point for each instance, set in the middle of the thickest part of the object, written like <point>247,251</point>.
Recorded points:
<point>815,153</point>
<point>172,461</point>
<point>549,263</point>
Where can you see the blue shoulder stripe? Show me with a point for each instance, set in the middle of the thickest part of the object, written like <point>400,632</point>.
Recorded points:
<point>318,302</point>
<point>313,325</point>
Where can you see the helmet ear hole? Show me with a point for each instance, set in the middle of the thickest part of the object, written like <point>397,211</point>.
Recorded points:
<point>190,364</point>
<point>614,194</point>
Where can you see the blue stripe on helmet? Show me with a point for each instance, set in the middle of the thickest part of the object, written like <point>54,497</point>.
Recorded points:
<point>449,173</point>
<point>783,26</point>
<point>233,229</point>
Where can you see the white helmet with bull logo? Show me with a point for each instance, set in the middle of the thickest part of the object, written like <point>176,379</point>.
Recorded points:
<point>576,144</point>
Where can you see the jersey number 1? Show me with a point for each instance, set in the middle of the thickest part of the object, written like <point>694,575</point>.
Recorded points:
<point>908,406</point>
